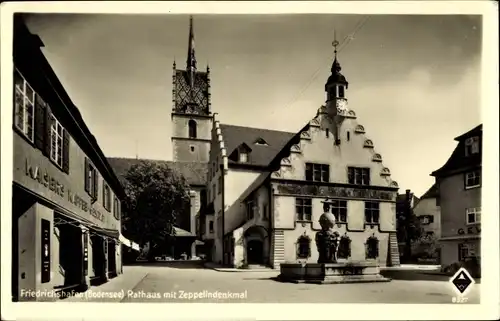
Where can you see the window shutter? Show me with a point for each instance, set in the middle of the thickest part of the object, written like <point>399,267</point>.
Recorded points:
<point>48,126</point>
<point>96,184</point>
<point>39,122</point>
<point>86,175</point>
<point>66,151</point>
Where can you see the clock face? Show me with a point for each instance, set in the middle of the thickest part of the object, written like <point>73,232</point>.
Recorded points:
<point>341,104</point>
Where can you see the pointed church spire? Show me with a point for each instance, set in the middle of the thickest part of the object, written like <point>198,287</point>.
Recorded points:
<point>191,59</point>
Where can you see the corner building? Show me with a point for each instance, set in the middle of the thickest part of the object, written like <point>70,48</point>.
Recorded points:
<point>458,184</point>
<point>66,200</point>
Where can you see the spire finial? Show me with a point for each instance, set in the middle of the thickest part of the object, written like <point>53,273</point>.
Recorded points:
<point>191,59</point>
<point>335,44</point>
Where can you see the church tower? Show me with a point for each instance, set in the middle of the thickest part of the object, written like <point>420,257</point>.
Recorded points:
<point>336,101</point>
<point>191,116</point>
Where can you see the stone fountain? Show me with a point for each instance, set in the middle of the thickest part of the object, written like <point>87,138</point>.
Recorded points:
<point>328,270</point>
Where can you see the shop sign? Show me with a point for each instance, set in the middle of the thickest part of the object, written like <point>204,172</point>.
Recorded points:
<point>46,180</point>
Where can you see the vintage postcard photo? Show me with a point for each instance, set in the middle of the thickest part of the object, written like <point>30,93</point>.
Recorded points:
<point>194,154</point>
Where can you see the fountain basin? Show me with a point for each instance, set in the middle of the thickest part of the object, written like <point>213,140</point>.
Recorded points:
<point>331,273</point>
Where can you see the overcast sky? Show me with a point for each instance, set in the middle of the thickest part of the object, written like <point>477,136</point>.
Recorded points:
<point>414,81</point>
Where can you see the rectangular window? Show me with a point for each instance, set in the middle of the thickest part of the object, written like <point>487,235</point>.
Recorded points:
<point>91,180</point>
<point>220,185</point>
<point>372,212</point>
<point>317,172</point>
<point>463,252</point>
<point>303,209</point>
<point>243,157</point>
<point>473,179</point>
<point>358,175</point>
<point>250,214</point>
<point>211,226</point>
<point>56,141</point>
<point>116,208</point>
<point>106,197</point>
<point>24,107</point>
<point>473,215</point>
<point>472,146</point>
<point>265,211</point>
<point>339,210</point>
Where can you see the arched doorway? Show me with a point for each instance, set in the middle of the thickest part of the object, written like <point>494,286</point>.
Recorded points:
<point>256,245</point>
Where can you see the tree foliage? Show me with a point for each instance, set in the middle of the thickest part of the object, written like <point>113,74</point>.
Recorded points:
<point>157,196</point>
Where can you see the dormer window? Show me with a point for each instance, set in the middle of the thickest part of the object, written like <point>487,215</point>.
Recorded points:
<point>341,91</point>
<point>261,141</point>
<point>243,157</point>
<point>472,146</point>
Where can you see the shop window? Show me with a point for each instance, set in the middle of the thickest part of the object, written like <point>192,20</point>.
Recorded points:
<point>339,210</point>
<point>358,175</point>
<point>463,252</point>
<point>344,250</point>
<point>91,180</point>
<point>473,179</point>
<point>372,212</point>
<point>24,106</point>
<point>372,247</point>
<point>317,172</point>
<point>303,209</point>
<point>473,215</point>
<point>303,247</point>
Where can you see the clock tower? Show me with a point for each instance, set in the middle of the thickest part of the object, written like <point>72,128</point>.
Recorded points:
<point>336,101</point>
<point>191,115</point>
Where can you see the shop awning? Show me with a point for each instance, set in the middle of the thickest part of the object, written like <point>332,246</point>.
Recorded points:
<point>182,233</point>
<point>129,243</point>
<point>106,232</point>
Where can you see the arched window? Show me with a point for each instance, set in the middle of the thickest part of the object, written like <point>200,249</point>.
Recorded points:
<point>372,247</point>
<point>344,250</point>
<point>192,128</point>
<point>303,247</point>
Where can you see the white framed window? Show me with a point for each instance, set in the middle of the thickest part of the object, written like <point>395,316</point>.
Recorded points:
<point>250,210</point>
<point>116,208</point>
<point>472,146</point>
<point>91,180</point>
<point>56,141</point>
<point>339,210</point>
<point>24,107</point>
<point>106,197</point>
<point>473,179</point>
<point>473,215</point>
<point>372,212</point>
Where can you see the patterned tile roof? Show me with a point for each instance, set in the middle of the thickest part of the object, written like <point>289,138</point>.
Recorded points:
<point>195,173</point>
<point>261,154</point>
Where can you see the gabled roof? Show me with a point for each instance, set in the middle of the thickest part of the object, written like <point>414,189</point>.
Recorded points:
<point>432,192</point>
<point>195,173</point>
<point>261,155</point>
<point>458,161</point>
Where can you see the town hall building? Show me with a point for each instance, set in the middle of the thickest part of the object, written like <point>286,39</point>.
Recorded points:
<point>263,190</point>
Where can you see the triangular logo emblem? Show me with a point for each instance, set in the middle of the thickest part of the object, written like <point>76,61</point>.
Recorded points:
<point>462,282</point>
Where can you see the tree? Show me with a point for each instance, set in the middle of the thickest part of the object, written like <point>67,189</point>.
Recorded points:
<point>157,196</point>
<point>409,230</point>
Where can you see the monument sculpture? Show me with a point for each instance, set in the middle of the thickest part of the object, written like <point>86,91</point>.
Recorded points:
<point>327,269</point>
<point>327,240</point>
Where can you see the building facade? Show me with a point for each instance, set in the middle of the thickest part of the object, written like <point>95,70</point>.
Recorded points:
<point>66,201</point>
<point>428,212</point>
<point>458,184</point>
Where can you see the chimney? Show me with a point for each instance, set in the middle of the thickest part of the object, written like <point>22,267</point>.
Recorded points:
<point>408,197</point>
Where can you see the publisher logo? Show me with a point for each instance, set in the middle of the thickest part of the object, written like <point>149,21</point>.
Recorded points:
<point>462,281</point>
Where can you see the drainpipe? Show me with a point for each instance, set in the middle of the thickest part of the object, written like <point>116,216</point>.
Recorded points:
<point>223,208</point>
